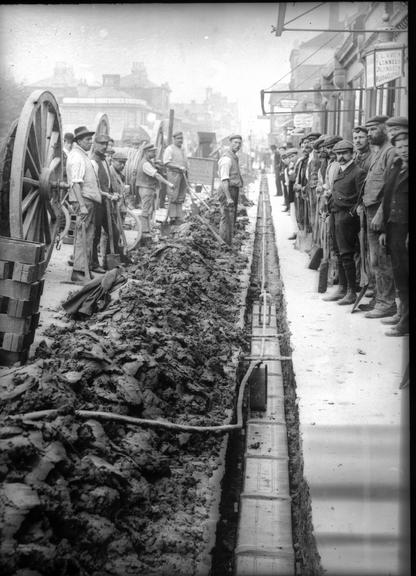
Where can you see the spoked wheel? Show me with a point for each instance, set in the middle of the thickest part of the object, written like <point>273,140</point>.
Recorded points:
<point>36,172</point>
<point>132,228</point>
<point>6,154</point>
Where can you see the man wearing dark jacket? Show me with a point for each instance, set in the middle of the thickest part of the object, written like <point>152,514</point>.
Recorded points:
<point>395,235</point>
<point>345,194</point>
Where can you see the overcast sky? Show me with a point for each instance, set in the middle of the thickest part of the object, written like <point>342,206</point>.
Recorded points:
<point>228,47</point>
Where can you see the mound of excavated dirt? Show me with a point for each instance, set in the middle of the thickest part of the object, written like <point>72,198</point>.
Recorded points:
<point>91,497</point>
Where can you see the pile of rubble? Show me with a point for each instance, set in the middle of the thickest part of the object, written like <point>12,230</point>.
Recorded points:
<point>87,496</point>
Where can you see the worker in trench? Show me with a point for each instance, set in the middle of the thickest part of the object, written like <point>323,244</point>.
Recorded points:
<point>174,158</point>
<point>231,182</point>
<point>148,180</point>
<point>85,196</point>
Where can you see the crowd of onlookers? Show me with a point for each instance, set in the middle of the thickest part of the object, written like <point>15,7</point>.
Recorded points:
<point>349,199</point>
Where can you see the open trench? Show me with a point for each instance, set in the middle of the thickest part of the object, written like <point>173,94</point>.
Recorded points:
<point>265,275</point>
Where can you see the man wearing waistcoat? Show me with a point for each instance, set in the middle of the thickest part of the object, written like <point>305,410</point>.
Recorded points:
<point>383,304</point>
<point>345,195</point>
<point>84,195</point>
<point>147,180</point>
<point>105,210</point>
<point>174,158</point>
<point>231,182</point>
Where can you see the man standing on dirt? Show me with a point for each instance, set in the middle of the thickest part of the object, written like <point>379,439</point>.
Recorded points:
<point>84,192</point>
<point>345,195</point>
<point>383,304</point>
<point>148,179</point>
<point>276,163</point>
<point>105,212</point>
<point>118,180</point>
<point>176,163</point>
<point>231,182</point>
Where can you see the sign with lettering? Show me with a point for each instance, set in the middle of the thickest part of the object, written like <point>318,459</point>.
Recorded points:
<point>202,171</point>
<point>288,103</point>
<point>389,65</point>
<point>303,120</point>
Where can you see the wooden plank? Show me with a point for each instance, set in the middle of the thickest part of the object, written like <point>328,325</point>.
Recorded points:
<point>13,342</point>
<point>6,269</point>
<point>29,273</point>
<point>20,290</point>
<point>13,324</point>
<point>17,250</point>
<point>201,171</point>
<point>22,308</point>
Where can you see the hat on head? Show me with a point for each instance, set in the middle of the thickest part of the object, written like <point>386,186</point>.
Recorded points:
<point>331,141</point>
<point>319,142</point>
<point>376,120</point>
<point>343,145</point>
<point>313,135</point>
<point>102,139</point>
<point>147,147</point>
<point>69,137</point>
<point>235,137</point>
<point>120,156</point>
<point>292,151</point>
<point>399,121</point>
<point>399,136</point>
<point>178,133</point>
<point>360,129</point>
<point>81,132</point>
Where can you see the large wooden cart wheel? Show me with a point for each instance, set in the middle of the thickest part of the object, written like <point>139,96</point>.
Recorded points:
<point>36,171</point>
<point>6,155</point>
<point>102,125</point>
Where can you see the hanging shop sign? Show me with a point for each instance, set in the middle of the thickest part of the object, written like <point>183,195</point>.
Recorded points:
<point>303,120</point>
<point>383,65</point>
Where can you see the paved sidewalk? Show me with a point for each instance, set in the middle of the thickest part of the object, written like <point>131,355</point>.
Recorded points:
<point>353,419</point>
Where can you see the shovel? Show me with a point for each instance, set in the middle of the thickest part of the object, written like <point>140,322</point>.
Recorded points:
<point>87,273</point>
<point>112,259</point>
<point>363,274</point>
<point>324,265</point>
<point>316,253</point>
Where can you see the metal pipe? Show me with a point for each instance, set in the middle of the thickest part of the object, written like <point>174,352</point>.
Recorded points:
<point>359,31</point>
<point>333,90</point>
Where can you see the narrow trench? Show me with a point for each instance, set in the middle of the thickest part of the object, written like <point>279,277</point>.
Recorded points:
<point>306,554</point>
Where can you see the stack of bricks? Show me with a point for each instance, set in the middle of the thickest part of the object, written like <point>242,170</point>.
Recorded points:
<point>22,267</point>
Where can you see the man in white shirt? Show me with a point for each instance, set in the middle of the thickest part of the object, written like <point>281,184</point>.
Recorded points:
<point>231,182</point>
<point>147,180</point>
<point>85,195</point>
<point>174,158</point>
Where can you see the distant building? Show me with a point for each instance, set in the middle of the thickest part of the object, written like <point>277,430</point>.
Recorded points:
<point>138,85</point>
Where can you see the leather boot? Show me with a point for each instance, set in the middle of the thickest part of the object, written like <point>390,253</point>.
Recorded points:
<point>349,298</point>
<point>337,295</point>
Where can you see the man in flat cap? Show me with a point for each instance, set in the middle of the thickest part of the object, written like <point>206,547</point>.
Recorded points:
<point>276,163</point>
<point>396,124</point>
<point>362,150</point>
<point>85,196</point>
<point>395,234</point>
<point>290,159</point>
<point>231,182</point>
<point>118,180</point>
<point>105,215</point>
<point>147,180</point>
<point>176,162</point>
<point>383,304</point>
<point>345,195</point>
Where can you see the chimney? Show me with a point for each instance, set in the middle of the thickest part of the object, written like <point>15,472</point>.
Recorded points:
<point>112,80</point>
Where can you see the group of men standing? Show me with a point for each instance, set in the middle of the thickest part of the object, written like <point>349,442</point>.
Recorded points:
<point>357,185</point>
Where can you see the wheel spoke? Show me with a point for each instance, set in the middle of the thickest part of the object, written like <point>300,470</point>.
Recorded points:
<point>33,149</point>
<point>29,199</point>
<point>46,226</point>
<point>49,123</point>
<point>51,149</point>
<point>31,181</point>
<point>31,221</point>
